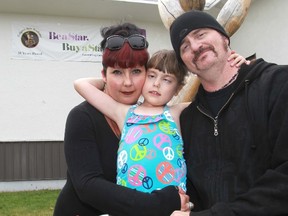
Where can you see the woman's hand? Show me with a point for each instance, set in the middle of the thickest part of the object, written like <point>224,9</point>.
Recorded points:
<point>237,60</point>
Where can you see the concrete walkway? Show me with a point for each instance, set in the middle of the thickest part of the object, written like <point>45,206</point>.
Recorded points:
<point>31,185</point>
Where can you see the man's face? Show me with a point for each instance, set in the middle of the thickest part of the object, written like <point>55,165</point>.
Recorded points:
<point>202,49</point>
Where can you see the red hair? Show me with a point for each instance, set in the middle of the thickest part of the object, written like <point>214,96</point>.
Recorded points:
<point>126,57</point>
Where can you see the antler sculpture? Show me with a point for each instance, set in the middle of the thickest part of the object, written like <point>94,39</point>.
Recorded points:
<point>231,16</point>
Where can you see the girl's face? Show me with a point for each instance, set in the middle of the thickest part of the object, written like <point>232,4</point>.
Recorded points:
<point>124,84</point>
<point>159,87</point>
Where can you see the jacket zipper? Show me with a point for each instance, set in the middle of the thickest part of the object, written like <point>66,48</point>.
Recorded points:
<point>215,120</point>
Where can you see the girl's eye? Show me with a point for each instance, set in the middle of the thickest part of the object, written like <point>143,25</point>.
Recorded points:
<point>167,80</point>
<point>150,76</point>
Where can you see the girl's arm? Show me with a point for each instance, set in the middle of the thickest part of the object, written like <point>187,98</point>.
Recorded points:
<point>237,60</point>
<point>96,82</point>
<point>91,90</point>
<point>176,110</point>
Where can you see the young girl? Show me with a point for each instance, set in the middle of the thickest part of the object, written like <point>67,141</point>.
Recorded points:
<point>150,154</point>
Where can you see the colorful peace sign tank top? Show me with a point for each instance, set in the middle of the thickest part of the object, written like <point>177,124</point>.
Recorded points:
<point>150,154</point>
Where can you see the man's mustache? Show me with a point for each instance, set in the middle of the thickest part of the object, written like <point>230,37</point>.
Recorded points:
<point>198,52</point>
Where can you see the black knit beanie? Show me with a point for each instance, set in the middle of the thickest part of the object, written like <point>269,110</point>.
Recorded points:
<point>188,22</point>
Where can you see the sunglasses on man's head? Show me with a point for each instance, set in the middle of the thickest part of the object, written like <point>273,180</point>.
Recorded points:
<point>115,42</point>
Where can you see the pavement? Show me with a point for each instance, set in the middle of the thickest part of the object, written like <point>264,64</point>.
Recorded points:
<point>31,185</point>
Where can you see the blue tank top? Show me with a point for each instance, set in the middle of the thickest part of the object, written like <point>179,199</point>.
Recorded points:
<point>150,154</point>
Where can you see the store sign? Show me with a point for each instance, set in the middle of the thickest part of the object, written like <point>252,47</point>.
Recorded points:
<point>56,42</point>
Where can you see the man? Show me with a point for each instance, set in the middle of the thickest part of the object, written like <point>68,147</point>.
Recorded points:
<point>236,130</point>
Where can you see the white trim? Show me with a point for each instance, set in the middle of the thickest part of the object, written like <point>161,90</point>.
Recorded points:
<point>139,1</point>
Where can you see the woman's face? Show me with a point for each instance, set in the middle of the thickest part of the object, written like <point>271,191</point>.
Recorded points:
<point>124,84</point>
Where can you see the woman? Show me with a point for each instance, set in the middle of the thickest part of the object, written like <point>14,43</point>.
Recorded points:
<point>91,141</point>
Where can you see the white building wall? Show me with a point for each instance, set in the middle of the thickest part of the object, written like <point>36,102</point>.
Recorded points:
<point>264,31</point>
<point>36,96</point>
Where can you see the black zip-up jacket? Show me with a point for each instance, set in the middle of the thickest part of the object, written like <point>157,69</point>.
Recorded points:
<point>238,161</point>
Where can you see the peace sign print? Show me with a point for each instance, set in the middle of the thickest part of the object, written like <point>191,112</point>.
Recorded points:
<point>168,116</point>
<point>183,186</point>
<point>136,174</point>
<point>143,142</point>
<point>181,163</point>
<point>161,141</point>
<point>124,168</point>
<point>151,154</point>
<point>122,159</point>
<point>166,128</point>
<point>121,181</point>
<point>179,174</point>
<point>138,152</point>
<point>175,135</point>
<point>179,150</point>
<point>165,172</point>
<point>148,128</point>
<point>133,134</point>
<point>147,182</point>
<point>168,153</point>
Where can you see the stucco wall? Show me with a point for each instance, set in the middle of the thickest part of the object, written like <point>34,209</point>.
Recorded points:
<point>264,31</point>
<point>36,96</point>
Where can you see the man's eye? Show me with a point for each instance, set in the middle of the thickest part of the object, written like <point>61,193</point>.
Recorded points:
<point>184,47</point>
<point>200,35</point>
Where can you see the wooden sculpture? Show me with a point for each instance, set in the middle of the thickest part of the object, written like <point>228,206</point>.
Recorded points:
<point>231,16</point>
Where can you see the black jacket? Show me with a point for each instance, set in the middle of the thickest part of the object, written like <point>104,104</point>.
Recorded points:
<point>91,152</point>
<point>237,161</point>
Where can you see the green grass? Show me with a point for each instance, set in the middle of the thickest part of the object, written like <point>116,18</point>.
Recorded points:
<point>28,203</point>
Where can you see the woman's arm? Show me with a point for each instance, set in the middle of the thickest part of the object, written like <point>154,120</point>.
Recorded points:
<point>91,151</point>
<point>91,90</point>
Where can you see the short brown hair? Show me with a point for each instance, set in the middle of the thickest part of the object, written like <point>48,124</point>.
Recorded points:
<point>166,61</point>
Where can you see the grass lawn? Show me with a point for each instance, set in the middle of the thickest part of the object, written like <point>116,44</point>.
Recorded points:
<point>28,203</point>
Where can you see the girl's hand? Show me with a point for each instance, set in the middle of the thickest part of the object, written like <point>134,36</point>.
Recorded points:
<point>237,60</point>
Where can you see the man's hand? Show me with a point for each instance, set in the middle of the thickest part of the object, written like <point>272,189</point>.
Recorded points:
<point>185,204</point>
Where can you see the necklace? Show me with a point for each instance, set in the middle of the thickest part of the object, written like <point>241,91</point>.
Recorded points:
<point>234,77</point>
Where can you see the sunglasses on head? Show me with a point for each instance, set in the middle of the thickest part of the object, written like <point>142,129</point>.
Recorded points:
<point>115,42</point>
